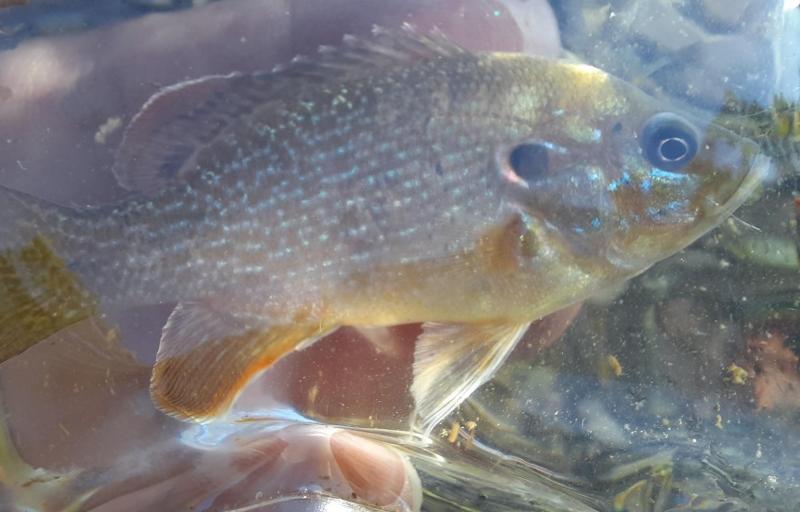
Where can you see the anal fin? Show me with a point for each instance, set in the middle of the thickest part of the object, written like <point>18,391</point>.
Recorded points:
<point>453,360</point>
<point>207,357</point>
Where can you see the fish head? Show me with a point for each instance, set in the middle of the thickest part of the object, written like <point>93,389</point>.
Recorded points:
<point>613,177</point>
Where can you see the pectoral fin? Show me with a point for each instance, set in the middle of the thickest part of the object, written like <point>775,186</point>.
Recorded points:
<point>208,356</point>
<point>453,360</point>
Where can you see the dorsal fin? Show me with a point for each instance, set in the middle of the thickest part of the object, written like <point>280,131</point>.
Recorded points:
<point>358,57</point>
<point>162,140</point>
<point>161,144</point>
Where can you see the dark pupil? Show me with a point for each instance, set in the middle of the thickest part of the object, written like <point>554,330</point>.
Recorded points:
<point>673,149</point>
<point>668,141</point>
<point>529,161</point>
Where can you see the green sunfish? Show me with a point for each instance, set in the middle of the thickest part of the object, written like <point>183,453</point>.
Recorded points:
<point>397,179</point>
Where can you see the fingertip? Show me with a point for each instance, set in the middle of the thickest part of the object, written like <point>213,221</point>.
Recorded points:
<point>377,474</point>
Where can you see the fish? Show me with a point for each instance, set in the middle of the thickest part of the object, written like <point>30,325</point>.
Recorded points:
<point>396,179</point>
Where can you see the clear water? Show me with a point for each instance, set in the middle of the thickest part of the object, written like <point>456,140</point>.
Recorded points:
<point>679,391</point>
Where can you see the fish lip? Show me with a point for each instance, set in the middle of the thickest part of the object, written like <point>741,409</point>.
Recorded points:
<point>761,167</point>
<point>712,213</point>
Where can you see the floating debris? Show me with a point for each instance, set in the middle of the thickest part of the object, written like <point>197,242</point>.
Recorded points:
<point>609,368</point>
<point>111,125</point>
<point>736,374</point>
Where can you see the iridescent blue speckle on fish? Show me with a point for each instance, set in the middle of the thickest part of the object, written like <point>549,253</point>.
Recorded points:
<point>397,180</point>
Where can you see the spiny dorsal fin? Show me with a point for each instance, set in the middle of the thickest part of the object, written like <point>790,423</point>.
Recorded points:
<point>358,57</point>
<point>162,142</point>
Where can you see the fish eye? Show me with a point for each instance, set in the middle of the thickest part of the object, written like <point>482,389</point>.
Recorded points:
<point>529,161</point>
<point>669,141</point>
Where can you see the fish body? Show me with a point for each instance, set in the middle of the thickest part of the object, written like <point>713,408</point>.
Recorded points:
<point>399,179</point>
<point>303,203</point>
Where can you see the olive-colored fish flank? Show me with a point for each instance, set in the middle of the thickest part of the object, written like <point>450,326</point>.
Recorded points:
<point>398,179</point>
<point>310,190</point>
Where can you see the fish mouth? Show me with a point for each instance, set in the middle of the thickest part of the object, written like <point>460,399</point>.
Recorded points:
<point>739,166</point>
<point>713,212</point>
<point>761,168</point>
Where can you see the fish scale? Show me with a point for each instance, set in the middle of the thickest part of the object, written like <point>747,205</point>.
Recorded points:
<point>388,176</point>
<point>373,185</point>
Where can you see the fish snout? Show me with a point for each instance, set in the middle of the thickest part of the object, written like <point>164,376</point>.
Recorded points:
<point>730,167</point>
